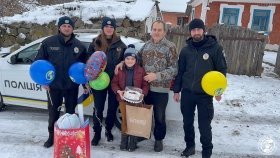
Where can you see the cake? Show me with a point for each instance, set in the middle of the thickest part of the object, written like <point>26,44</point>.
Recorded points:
<point>132,95</point>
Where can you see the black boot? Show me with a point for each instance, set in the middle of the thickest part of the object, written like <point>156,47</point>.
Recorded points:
<point>49,142</point>
<point>206,153</point>
<point>132,143</point>
<point>140,139</point>
<point>158,146</point>
<point>109,135</point>
<point>96,138</point>
<point>188,151</point>
<point>124,142</point>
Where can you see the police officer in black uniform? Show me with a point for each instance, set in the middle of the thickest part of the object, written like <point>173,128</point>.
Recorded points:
<point>201,55</point>
<point>62,50</point>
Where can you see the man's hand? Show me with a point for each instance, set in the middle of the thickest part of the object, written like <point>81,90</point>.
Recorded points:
<point>218,98</point>
<point>150,77</point>
<point>176,97</point>
<point>120,93</point>
<point>47,88</point>
<point>119,66</point>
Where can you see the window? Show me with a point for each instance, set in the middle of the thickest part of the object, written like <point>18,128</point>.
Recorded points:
<point>86,44</point>
<point>260,20</point>
<point>192,15</point>
<point>230,16</point>
<point>28,55</point>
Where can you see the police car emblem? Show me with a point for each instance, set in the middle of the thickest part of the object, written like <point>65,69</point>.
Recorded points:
<point>109,22</point>
<point>205,56</point>
<point>76,50</point>
<point>66,21</point>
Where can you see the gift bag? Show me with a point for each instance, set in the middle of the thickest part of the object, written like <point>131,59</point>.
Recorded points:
<point>139,120</point>
<point>72,143</point>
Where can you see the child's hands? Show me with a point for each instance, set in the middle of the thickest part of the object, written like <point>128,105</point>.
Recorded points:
<point>120,93</point>
<point>176,97</point>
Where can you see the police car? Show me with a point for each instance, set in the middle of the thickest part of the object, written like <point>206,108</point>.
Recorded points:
<point>17,88</point>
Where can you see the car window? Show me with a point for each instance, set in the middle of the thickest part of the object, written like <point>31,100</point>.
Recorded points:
<point>86,44</point>
<point>28,55</point>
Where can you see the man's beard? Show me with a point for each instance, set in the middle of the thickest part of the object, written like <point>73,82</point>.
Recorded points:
<point>65,35</point>
<point>197,38</point>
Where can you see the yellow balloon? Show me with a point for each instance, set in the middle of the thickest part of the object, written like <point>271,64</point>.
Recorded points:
<point>214,83</point>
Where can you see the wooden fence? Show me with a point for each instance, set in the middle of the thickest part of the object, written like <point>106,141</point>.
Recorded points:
<point>178,35</point>
<point>243,48</point>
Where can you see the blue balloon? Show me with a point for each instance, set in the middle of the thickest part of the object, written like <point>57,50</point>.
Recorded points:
<point>42,72</point>
<point>76,73</point>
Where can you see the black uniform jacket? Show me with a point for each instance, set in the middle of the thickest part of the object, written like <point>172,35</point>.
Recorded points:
<point>62,55</point>
<point>195,62</point>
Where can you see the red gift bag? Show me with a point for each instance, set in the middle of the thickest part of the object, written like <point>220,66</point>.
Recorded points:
<point>72,143</point>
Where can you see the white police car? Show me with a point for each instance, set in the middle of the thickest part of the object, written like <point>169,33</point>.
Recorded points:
<point>17,88</point>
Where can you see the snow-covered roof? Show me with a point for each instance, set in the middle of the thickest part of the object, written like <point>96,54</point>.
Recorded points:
<point>138,10</point>
<point>179,6</point>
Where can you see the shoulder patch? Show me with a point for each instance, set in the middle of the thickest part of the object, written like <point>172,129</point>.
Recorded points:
<point>76,50</point>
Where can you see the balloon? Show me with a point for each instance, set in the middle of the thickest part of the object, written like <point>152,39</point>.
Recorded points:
<point>76,73</point>
<point>68,121</point>
<point>42,72</point>
<point>95,65</point>
<point>214,83</point>
<point>101,82</point>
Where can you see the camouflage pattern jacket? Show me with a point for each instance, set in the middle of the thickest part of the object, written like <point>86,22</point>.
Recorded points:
<point>160,58</point>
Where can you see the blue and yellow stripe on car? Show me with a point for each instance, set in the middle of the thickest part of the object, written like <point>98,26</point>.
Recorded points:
<point>85,99</point>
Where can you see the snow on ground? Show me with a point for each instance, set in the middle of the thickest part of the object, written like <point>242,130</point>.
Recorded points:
<point>270,57</point>
<point>86,10</point>
<point>4,50</point>
<point>246,124</point>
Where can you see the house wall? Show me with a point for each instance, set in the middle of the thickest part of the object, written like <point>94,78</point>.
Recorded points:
<point>213,16</point>
<point>197,11</point>
<point>171,17</point>
<point>274,36</point>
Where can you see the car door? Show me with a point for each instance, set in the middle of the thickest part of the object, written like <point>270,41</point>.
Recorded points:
<point>19,89</point>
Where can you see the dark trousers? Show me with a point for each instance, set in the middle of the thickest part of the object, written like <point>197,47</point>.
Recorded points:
<point>99,103</point>
<point>70,98</point>
<point>159,102</point>
<point>205,109</point>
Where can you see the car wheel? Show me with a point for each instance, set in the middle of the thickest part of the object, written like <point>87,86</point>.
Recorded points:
<point>2,105</point>
<point>118,121</point>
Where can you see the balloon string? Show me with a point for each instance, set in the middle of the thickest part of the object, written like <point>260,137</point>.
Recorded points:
<point>95,112</point>
<point>48,92</point>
